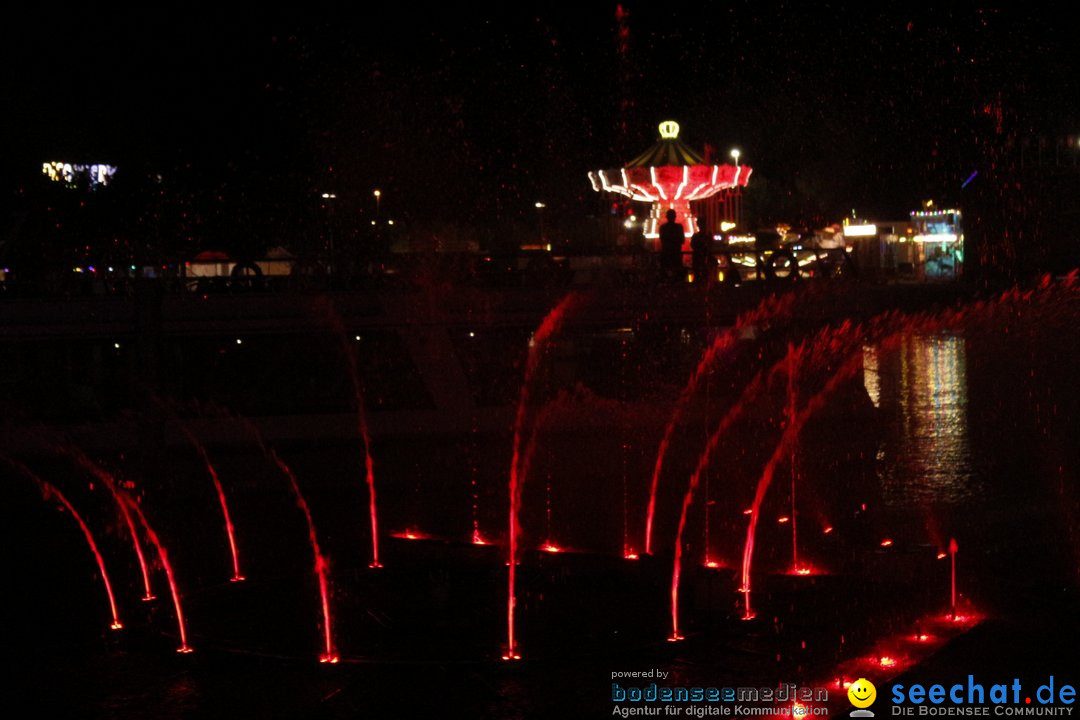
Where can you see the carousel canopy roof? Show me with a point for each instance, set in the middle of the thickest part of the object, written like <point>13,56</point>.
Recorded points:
<point>669,171</point>
<point>669,150</point>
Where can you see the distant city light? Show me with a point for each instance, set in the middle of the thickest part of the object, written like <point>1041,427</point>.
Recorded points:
<point>934,213</point>
<point>540,206</point>
<point>860,230</point>
<point>726,225</point>
<point>69,173</point>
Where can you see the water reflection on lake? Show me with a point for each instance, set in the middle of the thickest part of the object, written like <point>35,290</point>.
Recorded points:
<point>922,392</point>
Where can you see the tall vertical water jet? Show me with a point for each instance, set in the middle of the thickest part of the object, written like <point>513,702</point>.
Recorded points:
<point>528,454</point>
<point>169,574</point>
<point>51,492</point>
<point>537,344</point>
<point>477,537</point>
<point>953,549</point>
<point>733,414</point>
<point>825,339</point>
<point>844,372</point>
<point>110,484</point>
<point>790,432</point>
<point>321,565</point>
<point>892,328</point>
<point>792,408</point>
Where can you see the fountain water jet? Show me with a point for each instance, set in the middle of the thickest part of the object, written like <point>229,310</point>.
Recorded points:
<point>362,427</point>
<point>845,372</point>
<point>321,565</point>
<point>825,339</point>
<point>793,400</point>
<point>527,456</point>
<point>229,530</point>
<point>953,549</point>
<point>107,480</point>
<point>891,327</point>
<point>733,414</point>
<point>169,575</point>
<point>51,492</point>
<point>770,308</point>
<point>845,340</point>
<point>548,327</point>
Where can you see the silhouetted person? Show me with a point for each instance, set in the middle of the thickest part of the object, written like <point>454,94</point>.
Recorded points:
<point>701,247</point>
<point>671,240</point>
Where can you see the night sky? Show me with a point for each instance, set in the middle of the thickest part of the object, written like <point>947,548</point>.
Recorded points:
<point>468,117</point>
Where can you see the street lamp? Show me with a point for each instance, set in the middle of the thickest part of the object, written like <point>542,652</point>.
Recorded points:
<point>329,197</point>
<point>737,196</point>
<point>378,195</point>
<point>540,211</point>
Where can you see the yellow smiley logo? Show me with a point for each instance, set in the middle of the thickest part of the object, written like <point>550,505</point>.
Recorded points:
<point>862,693</point>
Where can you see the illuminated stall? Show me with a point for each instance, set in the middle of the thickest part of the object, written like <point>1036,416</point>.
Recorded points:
<point>938,244</point>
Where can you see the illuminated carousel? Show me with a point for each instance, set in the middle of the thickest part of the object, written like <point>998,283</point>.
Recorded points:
<point>670,175</point>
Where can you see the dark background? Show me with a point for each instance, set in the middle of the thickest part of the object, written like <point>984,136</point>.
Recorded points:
<point>465,117</point>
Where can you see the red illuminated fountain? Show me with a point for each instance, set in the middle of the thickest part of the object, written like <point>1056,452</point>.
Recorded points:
<point>795,424</point>
<point>51,492</point>
<point>670,175</point>
<point>321,566</point>
<point>105,478</point>
<point>733,414</point>
<point>525,425</point>
<point>768,310</point>
<point>812,385</point>
<point>127,506</point>
<point>230,531</point>
<point>328,310</point>
<point>163,556</point>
